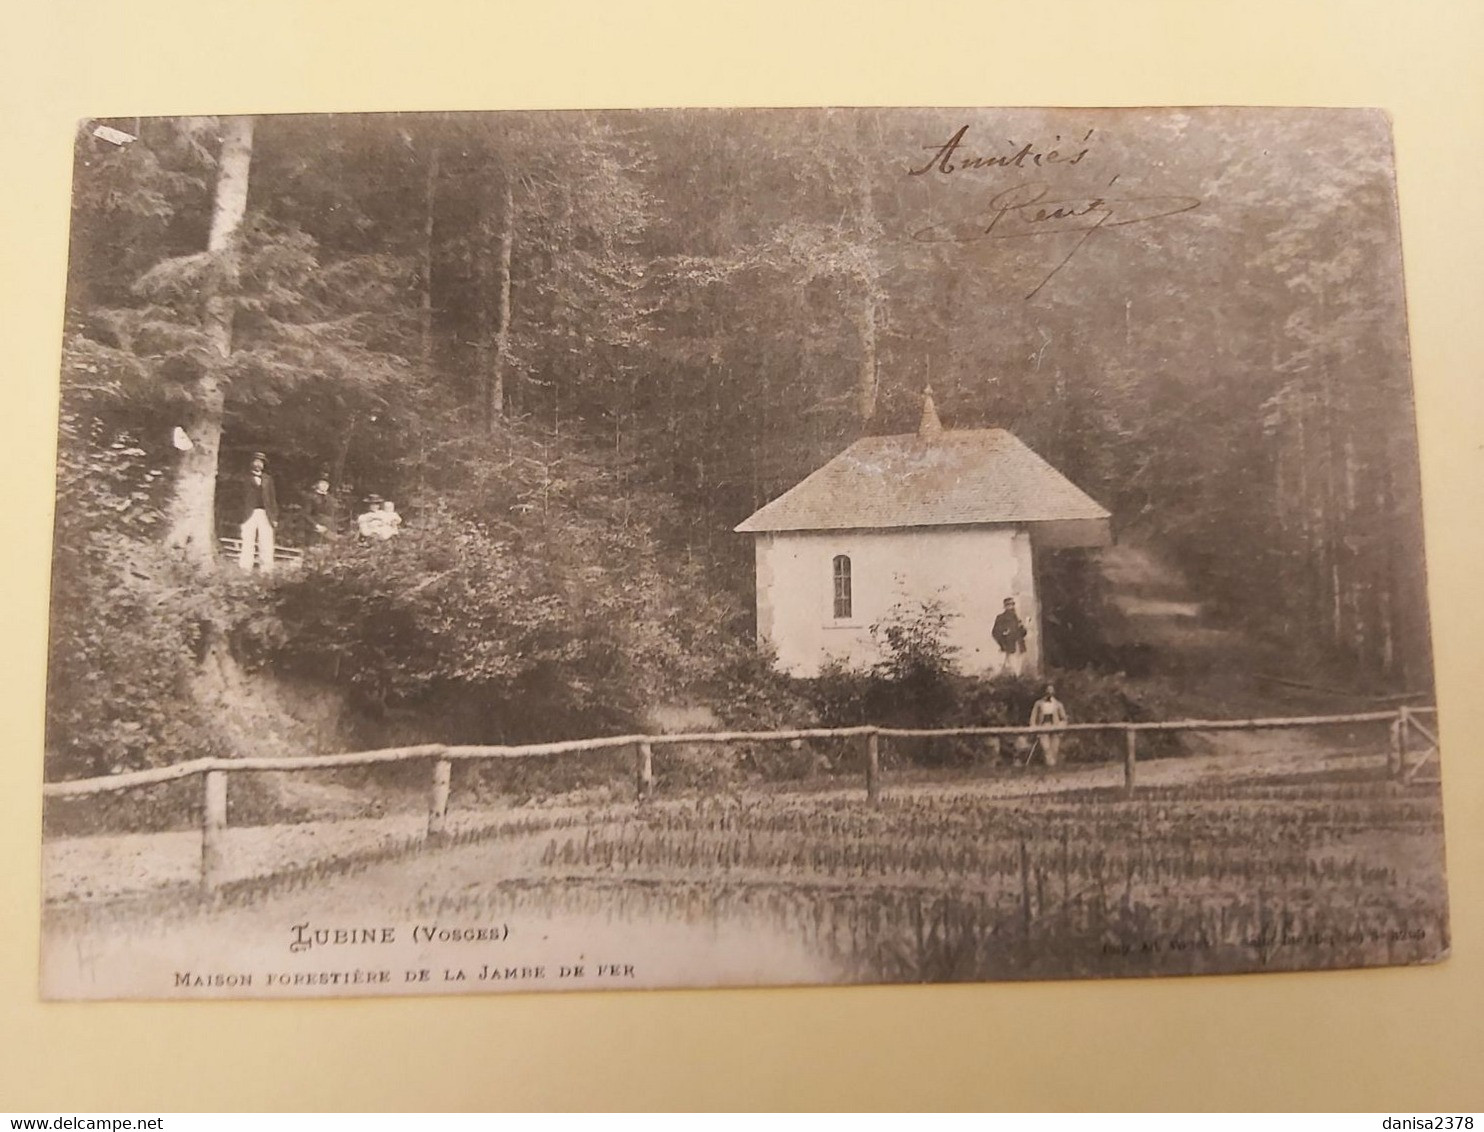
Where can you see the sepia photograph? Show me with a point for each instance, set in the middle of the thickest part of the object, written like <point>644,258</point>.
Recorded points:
<point>583,550</point>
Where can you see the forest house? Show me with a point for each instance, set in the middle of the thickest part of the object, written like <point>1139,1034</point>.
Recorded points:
<point>956,515</point>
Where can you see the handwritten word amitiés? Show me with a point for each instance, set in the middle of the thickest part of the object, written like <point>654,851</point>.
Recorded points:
<point>947,158</point>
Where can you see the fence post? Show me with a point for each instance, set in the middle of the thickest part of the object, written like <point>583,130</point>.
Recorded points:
<point>1399,741</point>
<point>873,768</point>
<point>213,830</point>
<point>1130,759</point>
<point>644,771</point>
<point>438,806</point>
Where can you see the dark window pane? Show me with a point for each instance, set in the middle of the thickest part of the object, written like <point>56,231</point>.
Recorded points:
<point>842,586</point>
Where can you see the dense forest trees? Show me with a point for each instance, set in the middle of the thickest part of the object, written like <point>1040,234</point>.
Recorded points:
<point>578,348</point>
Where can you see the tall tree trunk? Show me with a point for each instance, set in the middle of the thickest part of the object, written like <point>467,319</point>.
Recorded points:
<point>867,231</point>
<point>866,378</point>
<point>425,321</point>
<point>1386,577</point>
<point>1388,634</point>
<point>483,320</point>
<point>190,515</point>
<point>502,330</point>
<point>1355,556</point>
<point>1330,503</point>
<point>342,453</point>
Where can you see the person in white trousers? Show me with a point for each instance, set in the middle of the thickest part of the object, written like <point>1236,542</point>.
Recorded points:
<point>259,514</point>
<point>1049,712</point>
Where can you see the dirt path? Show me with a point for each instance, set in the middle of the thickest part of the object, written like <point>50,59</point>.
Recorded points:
<point>1158,608</point>
<point>1216,668</point>
<point>439,922</point>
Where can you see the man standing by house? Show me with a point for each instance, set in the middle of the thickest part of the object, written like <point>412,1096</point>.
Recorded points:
<point>259,515</point>
<point>1009,633</point>
<point>1049,712</point>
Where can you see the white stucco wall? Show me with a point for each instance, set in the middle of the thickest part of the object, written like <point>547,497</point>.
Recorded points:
<point>973,570</point>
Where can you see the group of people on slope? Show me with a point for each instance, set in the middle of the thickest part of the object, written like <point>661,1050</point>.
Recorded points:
<point>258,515</point>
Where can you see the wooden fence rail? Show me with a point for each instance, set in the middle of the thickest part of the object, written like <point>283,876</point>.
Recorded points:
<point>216,771</point>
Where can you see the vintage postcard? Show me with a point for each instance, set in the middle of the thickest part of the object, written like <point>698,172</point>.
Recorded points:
<point>692,548</point>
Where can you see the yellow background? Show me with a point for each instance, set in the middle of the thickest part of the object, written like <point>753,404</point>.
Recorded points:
<point>1394,1040</point>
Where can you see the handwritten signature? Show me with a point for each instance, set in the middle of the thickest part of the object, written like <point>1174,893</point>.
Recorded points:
<point>1023,212</point>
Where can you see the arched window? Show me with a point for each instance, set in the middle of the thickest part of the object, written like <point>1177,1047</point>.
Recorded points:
<point>842,587</point>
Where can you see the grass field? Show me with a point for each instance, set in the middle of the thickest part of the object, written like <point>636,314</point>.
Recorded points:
<point>953,886</point>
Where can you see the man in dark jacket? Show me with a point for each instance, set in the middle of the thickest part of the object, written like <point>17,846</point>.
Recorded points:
<point>319,510</point>
<point>1009,633</point>
<point>258,514</point>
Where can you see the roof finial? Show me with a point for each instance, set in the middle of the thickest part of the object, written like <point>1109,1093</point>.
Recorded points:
<point>931,425</point>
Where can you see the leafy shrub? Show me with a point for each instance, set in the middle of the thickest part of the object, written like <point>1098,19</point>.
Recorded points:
<point>913,642</point>
<point>914,685</point>
<point>600,776</point>
<point>748,692</point>
<point>129,622</point>
<point>446,605</point>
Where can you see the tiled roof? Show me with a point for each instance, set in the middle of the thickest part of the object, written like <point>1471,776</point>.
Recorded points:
<point>951,478</point>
